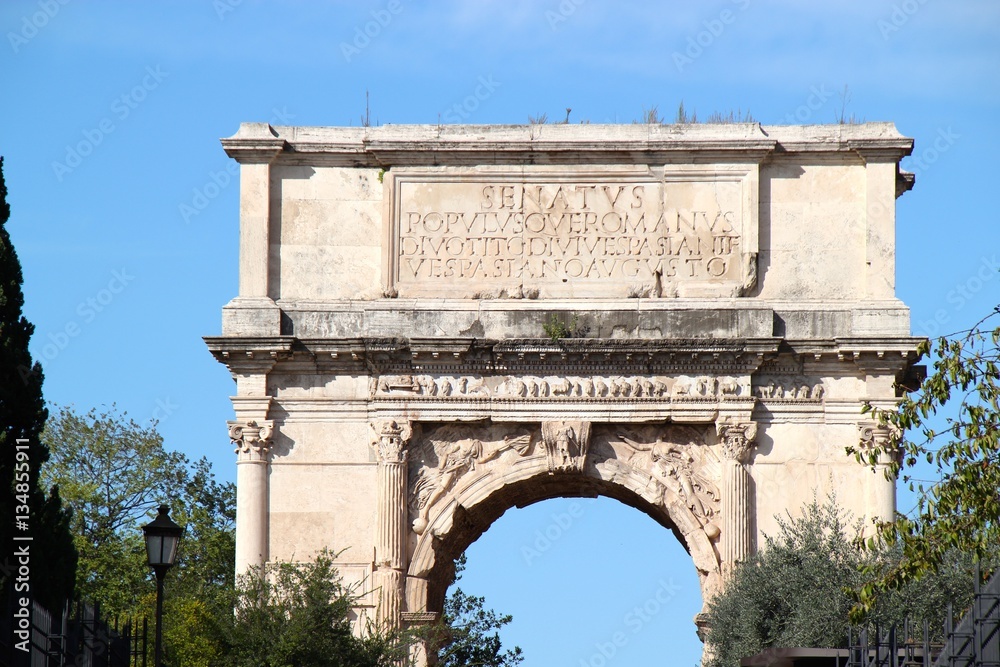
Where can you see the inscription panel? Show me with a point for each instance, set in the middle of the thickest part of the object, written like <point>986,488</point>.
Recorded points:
<point>684,232</point>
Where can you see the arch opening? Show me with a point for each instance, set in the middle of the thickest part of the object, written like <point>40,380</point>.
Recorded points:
<point>556,567</point>
<point>661,470</point>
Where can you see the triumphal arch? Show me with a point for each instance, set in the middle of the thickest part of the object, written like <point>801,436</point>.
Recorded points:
<point>438,323</point>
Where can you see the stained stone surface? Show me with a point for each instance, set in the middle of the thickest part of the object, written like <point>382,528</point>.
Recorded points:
<point>437,323</point>
<point>551,232</point>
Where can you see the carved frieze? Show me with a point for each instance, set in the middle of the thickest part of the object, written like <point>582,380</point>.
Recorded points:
<point>566,444</point>
<point>444,386</point>
<point>514,387</point>
<point>530,386</point>
<point>788,388</point>
<point>708,387</point>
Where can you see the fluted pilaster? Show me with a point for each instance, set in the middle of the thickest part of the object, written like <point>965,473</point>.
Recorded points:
<point>390,532</point>
<point>737,538</point>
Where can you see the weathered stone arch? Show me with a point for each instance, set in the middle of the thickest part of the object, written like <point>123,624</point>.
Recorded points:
<point>476,503</point>
<point>559,284</point>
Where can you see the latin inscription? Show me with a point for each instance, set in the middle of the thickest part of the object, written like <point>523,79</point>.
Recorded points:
<point>565,235</point>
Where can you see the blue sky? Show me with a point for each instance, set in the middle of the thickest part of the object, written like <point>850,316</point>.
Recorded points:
<point>125,217</point>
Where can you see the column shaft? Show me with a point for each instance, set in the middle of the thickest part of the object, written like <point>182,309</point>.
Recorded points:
<point>251,514</point>
<point>736,538</point>
<point>253,451</point>
<point>389,547</point>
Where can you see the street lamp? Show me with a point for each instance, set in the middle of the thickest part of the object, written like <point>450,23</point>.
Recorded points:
<point>162,536</point>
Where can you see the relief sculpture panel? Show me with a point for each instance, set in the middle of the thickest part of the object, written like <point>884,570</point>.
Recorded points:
<point>450,456</point>
<point>788,388</point>
<point>677,469</point>
<point>679,463</point>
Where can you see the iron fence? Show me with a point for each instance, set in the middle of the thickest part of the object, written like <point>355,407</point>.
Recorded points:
<point>78,637</point>
<point>974,641</point>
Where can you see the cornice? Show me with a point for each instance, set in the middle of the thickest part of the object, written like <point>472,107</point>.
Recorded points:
<point>254,143</point>
<point>432,145</point>
<point>236,350</point>
<point>378,355</point>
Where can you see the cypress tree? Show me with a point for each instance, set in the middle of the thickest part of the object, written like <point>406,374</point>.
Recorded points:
<point>51,554</point>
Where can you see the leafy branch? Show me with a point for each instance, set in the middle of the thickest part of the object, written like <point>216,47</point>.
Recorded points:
<point>961,510</point>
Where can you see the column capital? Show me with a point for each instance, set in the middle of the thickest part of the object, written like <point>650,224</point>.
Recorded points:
<point>878,440</point>
<point>389,439</point>
<point>737,439</point>
<point>252,439</point>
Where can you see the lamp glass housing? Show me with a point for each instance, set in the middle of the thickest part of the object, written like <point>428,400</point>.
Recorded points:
<point>162,536</point>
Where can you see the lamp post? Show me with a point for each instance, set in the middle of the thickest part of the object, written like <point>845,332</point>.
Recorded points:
<point>161,535</point>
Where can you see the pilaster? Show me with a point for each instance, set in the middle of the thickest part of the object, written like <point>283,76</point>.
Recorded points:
<point>880,222</point>
<point>253,312</point>
<point>389,441</point>
<point>737,538</point>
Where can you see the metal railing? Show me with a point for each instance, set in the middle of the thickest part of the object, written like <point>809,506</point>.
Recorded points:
<point>972,642</point>
<point>78,637</point>
<point>975,641</point>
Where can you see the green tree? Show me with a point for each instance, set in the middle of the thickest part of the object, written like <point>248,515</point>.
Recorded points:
<point>207,510</point>
<point>200,586</point>
<point>22,417</point>
<point>299,615</point>
<point>113,472</point>
<point>961,509</point>
<point>468,633</point>
<point>797,590</point>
